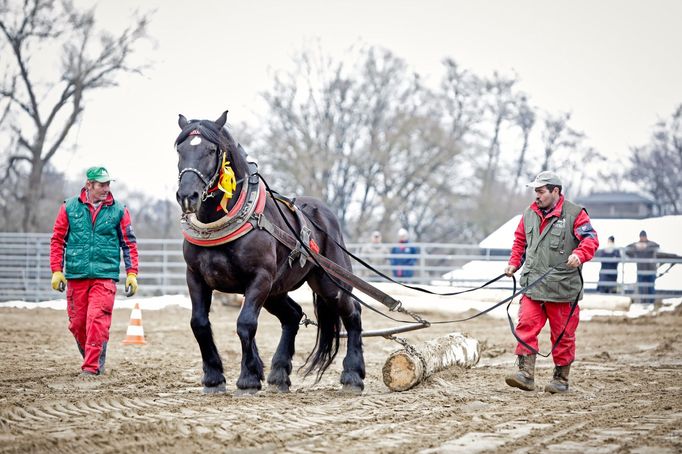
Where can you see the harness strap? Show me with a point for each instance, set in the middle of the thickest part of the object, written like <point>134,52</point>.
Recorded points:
<point>334,269</point>
<point>389,278</point>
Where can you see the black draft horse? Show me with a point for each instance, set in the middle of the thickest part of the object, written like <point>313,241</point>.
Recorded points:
<point>258,266</point>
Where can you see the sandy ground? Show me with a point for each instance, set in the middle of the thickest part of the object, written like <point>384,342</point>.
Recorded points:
<point>626,393</point>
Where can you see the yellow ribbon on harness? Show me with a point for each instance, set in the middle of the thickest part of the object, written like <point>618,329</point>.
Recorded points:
<point>226,183</point>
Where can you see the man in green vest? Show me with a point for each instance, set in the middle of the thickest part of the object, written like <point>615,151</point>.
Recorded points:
<point>555,234</point>
<point>89,234</point>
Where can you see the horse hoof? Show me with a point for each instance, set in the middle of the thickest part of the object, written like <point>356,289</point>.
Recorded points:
<point>282,388</point>
<point>219,389</point>
<point>245,392</point>
<point>353,390</point>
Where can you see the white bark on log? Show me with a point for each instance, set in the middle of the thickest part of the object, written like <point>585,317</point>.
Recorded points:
<point>405,368</point>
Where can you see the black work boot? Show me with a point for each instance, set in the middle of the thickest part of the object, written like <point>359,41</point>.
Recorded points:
<point>525,377</point>
<point>559,383</point>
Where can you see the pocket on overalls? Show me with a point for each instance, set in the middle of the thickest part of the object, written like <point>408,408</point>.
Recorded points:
<point>107,303</point>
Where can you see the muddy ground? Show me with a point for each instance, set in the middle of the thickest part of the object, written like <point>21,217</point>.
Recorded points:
<point>626,393</point>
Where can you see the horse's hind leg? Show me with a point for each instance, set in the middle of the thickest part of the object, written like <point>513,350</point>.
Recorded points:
<point>200,294</point>
<point>289,314</point>
<point>353,364</point>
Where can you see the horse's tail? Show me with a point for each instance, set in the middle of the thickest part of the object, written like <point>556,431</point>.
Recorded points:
<point>327,342</point>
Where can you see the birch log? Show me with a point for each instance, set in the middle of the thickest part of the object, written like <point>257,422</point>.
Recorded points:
<point>407,367</point>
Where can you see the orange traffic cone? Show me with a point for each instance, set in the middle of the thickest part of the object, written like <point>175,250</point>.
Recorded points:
<point>135,333</point>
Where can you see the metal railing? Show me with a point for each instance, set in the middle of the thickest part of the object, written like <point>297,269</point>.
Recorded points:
<point>25,268</point>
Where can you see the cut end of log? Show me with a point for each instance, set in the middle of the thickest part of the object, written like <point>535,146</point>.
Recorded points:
<point>402,371</point>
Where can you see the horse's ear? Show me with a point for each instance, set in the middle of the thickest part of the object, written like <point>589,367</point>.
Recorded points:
<point>182,121</point>
<point>221,121</point>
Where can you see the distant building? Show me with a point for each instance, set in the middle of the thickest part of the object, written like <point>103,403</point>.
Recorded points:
<point>618,205</point>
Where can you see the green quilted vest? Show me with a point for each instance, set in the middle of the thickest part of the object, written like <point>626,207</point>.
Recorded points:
<point>92,251</point>
<point>548,249</point>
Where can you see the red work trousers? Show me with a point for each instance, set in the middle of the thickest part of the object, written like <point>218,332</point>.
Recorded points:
<point>89,303</point>
<point>532,318</point>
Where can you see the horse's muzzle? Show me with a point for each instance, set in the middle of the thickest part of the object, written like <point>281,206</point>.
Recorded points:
<point>188,203</point>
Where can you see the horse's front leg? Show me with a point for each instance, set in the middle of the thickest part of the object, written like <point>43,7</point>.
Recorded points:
<point>289,314</point>
<point>200,294</point>
<point>251,373</point>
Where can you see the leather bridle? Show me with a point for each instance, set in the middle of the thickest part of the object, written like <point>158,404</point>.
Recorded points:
<point>209,184</point>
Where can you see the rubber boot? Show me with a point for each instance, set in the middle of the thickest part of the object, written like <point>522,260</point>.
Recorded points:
<point>525,377</point>
<point>102,358</point>
<point>559,383</point>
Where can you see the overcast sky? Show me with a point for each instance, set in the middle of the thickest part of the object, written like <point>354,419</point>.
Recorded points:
<point>615,64</point>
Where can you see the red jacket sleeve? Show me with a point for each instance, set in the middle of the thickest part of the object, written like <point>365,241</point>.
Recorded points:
<point>128,243</point>
<point>58,240</point>
<point>519,247</point>
<point>585,233</point>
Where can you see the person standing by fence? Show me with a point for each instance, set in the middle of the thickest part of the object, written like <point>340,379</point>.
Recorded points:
<point>645,250</point>
<point>93,229</point>
<point>608,273</point>
<point>403,266</point>
<point>556,234</point>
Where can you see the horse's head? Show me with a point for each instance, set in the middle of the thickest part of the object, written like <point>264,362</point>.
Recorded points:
<point>201,146</point>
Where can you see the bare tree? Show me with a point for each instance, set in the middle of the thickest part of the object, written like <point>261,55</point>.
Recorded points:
<point>501,106</point>
<point>385,151</point>
<point>367,137</point>
<point>525,119</point>
<point>461,102</point>
<point>658,165</point>
<point>41,112</point>
<point>558,135</point>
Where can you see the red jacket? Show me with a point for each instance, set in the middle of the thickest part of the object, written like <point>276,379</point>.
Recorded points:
<point>582,229</point>
<point>127,238</point>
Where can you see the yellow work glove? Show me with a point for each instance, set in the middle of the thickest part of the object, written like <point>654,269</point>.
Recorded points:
<point>131,284</point>
<point>58,281</point>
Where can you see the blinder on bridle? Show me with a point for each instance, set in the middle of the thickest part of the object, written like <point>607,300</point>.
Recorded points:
<point>208,183</point>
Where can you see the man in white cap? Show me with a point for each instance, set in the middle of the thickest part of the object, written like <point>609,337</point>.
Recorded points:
<point>553,233</point>
<point>93,229</point>
<point>403,267</point>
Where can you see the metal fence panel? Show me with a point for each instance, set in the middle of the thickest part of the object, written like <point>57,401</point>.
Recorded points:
<point>25,268</point>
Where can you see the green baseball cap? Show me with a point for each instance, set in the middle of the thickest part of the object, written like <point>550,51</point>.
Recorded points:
<point>98,174</point>
<point>543,179</point>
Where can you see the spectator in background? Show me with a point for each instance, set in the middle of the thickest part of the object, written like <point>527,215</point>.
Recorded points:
<point>645,250</point>
<point>403,267</point>
<point>608,274</point>
<point>375,253</point>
